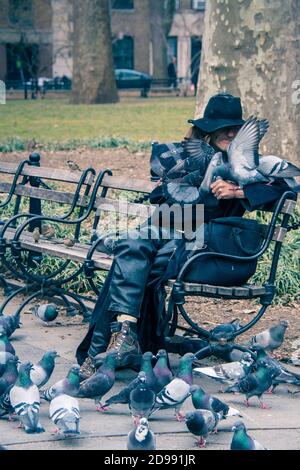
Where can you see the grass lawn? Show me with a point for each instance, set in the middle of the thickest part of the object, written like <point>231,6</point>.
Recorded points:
<point>55,120</point>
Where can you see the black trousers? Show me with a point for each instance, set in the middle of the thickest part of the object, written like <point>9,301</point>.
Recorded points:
<point>140,265</point>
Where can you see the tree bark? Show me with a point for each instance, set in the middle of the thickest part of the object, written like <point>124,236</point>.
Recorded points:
<point>162,13</point>
<point>252,49</point>
<point>93,70</point>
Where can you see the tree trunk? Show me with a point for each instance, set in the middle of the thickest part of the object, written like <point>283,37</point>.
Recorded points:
<point>162,13</point>
<point>93,70</point>
<point>252,49</point>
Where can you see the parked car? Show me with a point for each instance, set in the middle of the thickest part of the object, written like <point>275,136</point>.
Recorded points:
<point>126,78</point>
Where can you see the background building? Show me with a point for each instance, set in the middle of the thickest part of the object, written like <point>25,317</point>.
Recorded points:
<point>36,37</point>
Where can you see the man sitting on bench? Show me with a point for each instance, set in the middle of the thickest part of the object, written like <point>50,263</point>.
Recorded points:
<point>127,312</point>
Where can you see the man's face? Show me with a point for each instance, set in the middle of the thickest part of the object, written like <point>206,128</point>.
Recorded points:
<point>222,137</point>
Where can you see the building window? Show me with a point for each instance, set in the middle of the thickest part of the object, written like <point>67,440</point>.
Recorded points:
<point>198,5</point>
<point>20,13</point>
<point>122,4</point>
<point>123,53</point>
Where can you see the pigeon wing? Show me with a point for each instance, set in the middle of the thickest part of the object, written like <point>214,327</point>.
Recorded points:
<point>95,386</point>
<point>243,150</point>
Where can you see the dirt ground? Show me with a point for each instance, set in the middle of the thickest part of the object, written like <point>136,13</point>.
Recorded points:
<point>208,312</point>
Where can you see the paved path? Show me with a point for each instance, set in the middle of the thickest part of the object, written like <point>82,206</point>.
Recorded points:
<point>277,428</point>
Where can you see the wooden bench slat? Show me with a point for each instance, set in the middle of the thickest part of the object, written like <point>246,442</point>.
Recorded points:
<point>111,205</point>
<point>44,194</point>
<point>56,174</point>
<point>127,184</point>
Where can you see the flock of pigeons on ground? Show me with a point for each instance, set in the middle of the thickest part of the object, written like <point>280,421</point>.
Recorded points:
<point>154,389</point>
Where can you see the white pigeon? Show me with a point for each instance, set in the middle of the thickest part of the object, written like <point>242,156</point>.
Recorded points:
<point>230,372</point>
<point>271,338</point>
<point>42,370</point>
<point>25,399</point>
<point>65,414</point>
<point>141,437</point>
<point>172,396</point>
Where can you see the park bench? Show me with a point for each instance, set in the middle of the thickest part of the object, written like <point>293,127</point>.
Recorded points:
<point>103,201</point>
<point>18,249</point>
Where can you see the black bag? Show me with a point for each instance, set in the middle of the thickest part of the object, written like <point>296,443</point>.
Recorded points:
<point>233,236</point>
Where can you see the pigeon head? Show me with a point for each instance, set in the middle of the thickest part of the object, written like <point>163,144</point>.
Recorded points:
<point>74,369</point>
<point>142,377</point>
<point>161,353</point>
<point>196,388</point>
<point>51,354</point>
<point>148,356</point>
<point>189,358</point>
<point>26,368</point>
<point>238,426</point>
<point>284,323</point>
<point>13,360</point>
<point>194,417</point>
<point>2,332</point>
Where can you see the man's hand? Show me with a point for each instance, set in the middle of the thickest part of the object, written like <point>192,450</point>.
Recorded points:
<point>226,190</point>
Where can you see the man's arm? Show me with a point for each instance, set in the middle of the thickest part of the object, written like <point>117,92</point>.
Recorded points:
<point>253,196</point>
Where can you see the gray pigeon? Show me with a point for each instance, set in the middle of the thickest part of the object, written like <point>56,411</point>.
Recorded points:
<point>161,370</point>
<point>230,372</point>
<point>123,395</point>
<point>67,386</point>
<point>185,370</point>
<point>241,439</point>
<point>5,344</point>
<point>172,395</point>
<point>225,330</point>
<point>256,383</point>
<point>46,312</point>
<point>284,376</point>
<point>272,338</point>
<point>204,401</point>
<point>10,375</point>
<point>201,423</point>
<point>25,399</point>
<point>65,414</point>
<point>10,323</point>
<point>42,371</point>
<point>141,437</point>
<point>100,382</point>
<point>5,405</point>
<point>141,399</point>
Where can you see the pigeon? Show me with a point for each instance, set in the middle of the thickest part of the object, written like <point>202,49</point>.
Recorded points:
<point>161,370</point>
<point>241,439</point>
<point>185,370</point>
<point>66,386</point>
<point>5,345</point>
<point>65,414</point>
<point>46,312</point>
<point>225,330</point>
<point>256,383</point>
<point>10,375</point>
<point>25,399</point>
<point>199,155</point>
<point>141,437</point>
<point>123,395</point>
<point>100,382</point>
<point>272,338</point>
<point>201,423</point>
<point>203,401</point>
<point>228,373</point>
<point>141,399</point>
<point>42,371</point>
<point>36,235</point>
<point>284,376</point>
<point>10,323</point>
<point>172,396</point>
<point>69,242</point>
<point>4,356</point>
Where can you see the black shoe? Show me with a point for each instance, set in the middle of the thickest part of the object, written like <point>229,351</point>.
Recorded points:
<point>124,342</point>
<point>182,345</point>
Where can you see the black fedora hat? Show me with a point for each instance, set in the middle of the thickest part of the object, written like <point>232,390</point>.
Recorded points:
<point>222,110</point>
